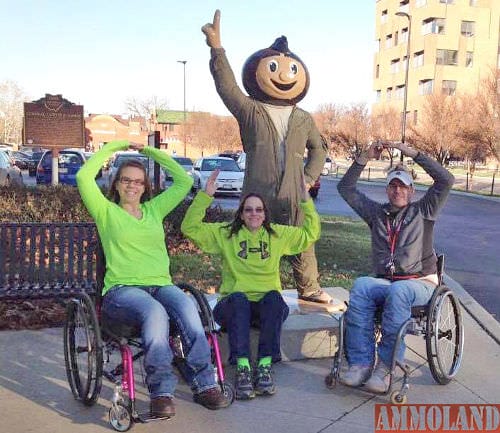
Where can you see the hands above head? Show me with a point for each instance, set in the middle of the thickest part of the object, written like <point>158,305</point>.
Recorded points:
<point>212,31</point>
<point>136,146</point>
<point>211,185</point>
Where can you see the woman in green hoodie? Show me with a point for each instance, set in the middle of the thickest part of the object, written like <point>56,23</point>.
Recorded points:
<point>251,248</point>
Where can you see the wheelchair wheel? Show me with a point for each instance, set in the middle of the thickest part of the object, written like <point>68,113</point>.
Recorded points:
<point>83,350</point>
<point>120,417</point>
<point>445,336</point>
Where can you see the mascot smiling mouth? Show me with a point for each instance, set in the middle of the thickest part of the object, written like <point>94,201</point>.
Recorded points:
<point>284,87</point>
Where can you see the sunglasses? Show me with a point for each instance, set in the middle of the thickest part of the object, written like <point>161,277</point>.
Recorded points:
<point>251,209</point>
<point>127,181</point>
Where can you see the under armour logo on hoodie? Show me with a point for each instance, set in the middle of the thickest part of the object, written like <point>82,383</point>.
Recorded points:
<point>243,253</point>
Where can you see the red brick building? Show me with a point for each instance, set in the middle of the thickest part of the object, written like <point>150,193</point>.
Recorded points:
<point>101,128</point>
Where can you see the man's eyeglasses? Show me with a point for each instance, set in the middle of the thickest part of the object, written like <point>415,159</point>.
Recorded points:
<point>127,181</point>
<point>251,209</point>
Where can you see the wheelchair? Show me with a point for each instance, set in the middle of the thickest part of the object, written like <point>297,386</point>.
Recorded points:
<point>441,325</point>
<point>90,342</point>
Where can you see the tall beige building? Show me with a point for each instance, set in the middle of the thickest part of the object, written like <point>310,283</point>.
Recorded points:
<point>452,46</point>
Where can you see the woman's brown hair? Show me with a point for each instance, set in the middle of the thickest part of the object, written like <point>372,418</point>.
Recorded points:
<point>113,191</point>
<point>237,222</point>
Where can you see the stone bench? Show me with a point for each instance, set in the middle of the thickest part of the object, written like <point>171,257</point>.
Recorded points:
<point>310,331</point>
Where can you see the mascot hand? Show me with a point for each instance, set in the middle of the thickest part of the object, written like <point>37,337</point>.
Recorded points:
<point>212,31</point>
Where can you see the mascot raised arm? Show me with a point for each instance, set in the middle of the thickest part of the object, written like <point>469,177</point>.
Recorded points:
<point>275,134</point>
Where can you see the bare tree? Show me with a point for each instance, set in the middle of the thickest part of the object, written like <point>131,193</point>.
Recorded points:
<point>12,98</point>
<point>386,125</point>
<point>213,133</point>
<point>353,129</point>
<point>438,131</point>
<point>145,108</point>
<point>481,121</point>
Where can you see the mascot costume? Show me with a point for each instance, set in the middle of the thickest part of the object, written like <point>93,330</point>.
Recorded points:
<point>275,134</point>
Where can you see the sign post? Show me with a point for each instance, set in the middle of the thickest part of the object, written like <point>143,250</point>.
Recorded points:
<point>154,141</point>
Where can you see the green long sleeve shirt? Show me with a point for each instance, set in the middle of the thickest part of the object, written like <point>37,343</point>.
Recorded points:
<point>250,261</point>
<point>135,249</point>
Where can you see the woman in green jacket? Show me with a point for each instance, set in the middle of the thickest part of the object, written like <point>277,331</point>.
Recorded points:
<point>251,248</point>
<point>138,289</point>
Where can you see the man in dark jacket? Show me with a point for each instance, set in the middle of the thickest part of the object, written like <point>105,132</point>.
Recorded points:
<point>403,259</point>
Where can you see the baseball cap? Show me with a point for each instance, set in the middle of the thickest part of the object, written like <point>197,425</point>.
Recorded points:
<point>402,175</point>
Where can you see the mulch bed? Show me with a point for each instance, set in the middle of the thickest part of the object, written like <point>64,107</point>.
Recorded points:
<point>15,315</point>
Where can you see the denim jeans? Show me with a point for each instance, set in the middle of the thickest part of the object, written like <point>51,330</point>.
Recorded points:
<point>151,308</point>
<point>237,314</point>
<point>396,298</point>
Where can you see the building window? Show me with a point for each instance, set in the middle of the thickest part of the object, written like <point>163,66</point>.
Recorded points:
<point>389,93</point>
<point>446,57</point>
<point>420,3</point>
<point>378,94</point>
<point>383,17</point>
<point>404,35</point>
<point>469,59</point>
<point>418,59</point>
<point>472,3</point>
<point>404,6</point>
<point>377,71</point>
<point>425,87</point>
<point>400,92</point>
<point>448,2</point>
<point>433,25</point>
<point>404,61</point>
<point>395,66</point>
<point>467,28</point>
<point>449,87</point>
<point>396,38</point>
<point>388,41</point>
<point>415,117</point>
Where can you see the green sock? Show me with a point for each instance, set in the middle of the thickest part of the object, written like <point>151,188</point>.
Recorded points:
<point>265,361</point>
<point>243,363</point>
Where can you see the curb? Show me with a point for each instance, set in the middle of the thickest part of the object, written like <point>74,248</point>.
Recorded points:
<point>484,319</point>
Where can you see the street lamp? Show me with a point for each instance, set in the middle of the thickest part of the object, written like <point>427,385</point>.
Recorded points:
<point>184,126</point>
<point>405,101</point>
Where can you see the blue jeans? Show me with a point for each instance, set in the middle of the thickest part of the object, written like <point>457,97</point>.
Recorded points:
<point>151,308</point>
<point>396,298</point>
<point>237,314</point>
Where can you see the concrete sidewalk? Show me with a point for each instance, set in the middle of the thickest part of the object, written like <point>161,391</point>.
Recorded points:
<point>34,394</point>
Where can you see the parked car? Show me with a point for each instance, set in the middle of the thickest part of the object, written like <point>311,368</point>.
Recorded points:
<point>69,162</point>
<point>35,158</point>
<point>21,159</point>
<point>120,157</point>
<point>233,155</point>
<point>328,167</point>
<point>229,180</point>
<point>186,163</point>
<point>10,174</point>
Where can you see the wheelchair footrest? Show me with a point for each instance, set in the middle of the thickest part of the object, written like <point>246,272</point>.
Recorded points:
<point>147,417</point>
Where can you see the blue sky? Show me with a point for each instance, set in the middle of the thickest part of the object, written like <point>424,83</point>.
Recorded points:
<point>99,53</point>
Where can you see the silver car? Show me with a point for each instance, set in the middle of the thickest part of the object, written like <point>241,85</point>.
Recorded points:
<point>229,180</point>
<point>9,173</point>
<point>120,157</point>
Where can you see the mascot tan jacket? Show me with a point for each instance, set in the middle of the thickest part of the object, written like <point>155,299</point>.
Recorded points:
<point>280,189</point>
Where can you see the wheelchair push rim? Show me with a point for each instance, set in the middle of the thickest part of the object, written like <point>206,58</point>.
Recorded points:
<point>445,336</point>
<point>83,350</point>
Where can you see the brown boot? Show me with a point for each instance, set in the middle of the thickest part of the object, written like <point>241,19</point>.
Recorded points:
<point>162,407</point>
<point>212,399</point>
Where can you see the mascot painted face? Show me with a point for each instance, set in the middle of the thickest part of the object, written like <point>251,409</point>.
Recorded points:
<point>275,75</point>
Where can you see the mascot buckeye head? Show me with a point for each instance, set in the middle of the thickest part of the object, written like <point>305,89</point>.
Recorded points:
<point>275,75</point>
